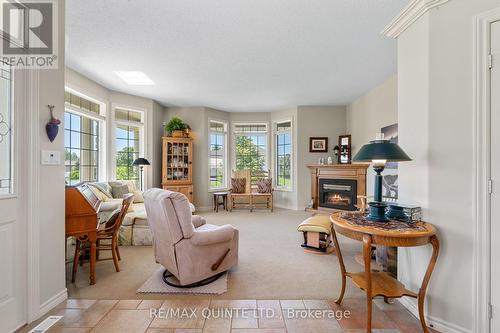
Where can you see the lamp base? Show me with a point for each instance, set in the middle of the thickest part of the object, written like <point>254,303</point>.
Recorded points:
<point>377,212</point>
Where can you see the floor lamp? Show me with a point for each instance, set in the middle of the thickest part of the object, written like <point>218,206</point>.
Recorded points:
<point>141,162</point>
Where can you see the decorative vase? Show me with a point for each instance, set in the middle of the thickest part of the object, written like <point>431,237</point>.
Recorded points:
<point>52,127</point>
<point>52,130</point>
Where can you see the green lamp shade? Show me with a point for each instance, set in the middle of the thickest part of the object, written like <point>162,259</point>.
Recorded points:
<point>381,150</point>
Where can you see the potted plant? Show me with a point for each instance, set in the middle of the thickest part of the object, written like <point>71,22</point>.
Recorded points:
<point>176,127</point>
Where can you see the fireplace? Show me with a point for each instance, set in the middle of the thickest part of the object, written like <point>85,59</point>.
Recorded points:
<point>338,193</point>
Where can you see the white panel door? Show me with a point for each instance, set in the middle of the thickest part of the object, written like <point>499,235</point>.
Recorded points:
<point>13,231</point>
<point>495,176</point>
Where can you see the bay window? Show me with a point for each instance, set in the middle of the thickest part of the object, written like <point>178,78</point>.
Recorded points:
<point>283,139</point>
<point>217,154</point>
<point>82,121</point>
<point>128,143</point>
<point>250,146</point>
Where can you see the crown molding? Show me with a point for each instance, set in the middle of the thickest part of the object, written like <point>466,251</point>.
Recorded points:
<point>409,14</point>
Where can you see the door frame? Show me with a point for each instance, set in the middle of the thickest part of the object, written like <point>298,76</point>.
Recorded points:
<point>26,182</point>
<point>30,189</point>
<point>32,172</point>
<point>482,168</point>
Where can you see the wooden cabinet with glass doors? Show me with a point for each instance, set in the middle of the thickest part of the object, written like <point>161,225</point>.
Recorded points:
<point>177,166</point>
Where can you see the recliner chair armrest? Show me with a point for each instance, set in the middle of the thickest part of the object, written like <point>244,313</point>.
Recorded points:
<point>198,221</point>
<point>221,234</point>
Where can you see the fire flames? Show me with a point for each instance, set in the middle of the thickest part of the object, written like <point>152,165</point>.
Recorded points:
<point>338,199</point>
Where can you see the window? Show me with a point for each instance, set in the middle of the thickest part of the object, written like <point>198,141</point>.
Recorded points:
<point>128,141</point>
<point>250,146</point>
<point>6,125</point>
<point>82,121</point>
<point>82,103</point>
<point>284,154</point>
<point>81,153</point>
<point>217,154</point>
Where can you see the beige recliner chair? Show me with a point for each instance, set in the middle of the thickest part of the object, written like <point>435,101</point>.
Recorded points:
<point>193,252</point>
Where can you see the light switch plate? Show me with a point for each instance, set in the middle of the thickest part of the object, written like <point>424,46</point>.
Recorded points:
<point>51,157</point>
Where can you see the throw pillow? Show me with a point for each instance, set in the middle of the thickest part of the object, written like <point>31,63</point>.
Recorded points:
<point>238,185</point>
<point>138,198</point>
<point>98,193</point>
<point>119,190</point>
<point>103,187</point>
<point>265,185</point>
<point>129,183</point>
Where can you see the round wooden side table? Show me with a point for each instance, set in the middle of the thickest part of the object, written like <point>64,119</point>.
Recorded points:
<point>218,202</point>
<point>397,234</point>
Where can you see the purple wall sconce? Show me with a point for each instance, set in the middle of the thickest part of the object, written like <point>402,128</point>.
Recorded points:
<point>52,127</point>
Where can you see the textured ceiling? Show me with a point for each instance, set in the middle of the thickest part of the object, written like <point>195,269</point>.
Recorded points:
<point>235,55</point>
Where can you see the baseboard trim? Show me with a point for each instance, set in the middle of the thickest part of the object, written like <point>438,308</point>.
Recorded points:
<point>209,208</point>
<point>286,207</point>
<point>203,209</point>
<point>438,324</point>
<point>53,302</point>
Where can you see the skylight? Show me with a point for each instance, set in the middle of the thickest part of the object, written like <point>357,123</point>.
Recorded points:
<point>135,78</point>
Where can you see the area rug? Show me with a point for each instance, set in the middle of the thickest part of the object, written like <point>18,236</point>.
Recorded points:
<point>156,285</point>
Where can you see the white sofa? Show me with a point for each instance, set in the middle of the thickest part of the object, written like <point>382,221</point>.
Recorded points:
<point>135,229</point>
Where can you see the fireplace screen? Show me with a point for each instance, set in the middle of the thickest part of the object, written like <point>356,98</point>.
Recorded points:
<point>337,194</point>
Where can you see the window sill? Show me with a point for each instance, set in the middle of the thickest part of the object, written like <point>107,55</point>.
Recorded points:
<point>283,189</point>
<point>222,189</point>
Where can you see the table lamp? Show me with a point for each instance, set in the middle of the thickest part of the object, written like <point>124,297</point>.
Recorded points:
<point>379,152</point>
<point>141,162</point>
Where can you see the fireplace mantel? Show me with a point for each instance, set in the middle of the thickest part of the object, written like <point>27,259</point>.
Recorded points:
<point>336,171</point>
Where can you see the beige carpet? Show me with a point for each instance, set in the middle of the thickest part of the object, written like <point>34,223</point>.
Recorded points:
<point>272,265</point>
<point>156,285</point>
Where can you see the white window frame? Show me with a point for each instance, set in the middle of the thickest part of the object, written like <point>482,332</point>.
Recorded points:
<point>275,156</point>
<point>112,136</point>
<point>226,149</point>
<point>234,135</point>
<point>101,118</point>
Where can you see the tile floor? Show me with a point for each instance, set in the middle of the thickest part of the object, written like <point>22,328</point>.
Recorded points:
<point>231,316</point>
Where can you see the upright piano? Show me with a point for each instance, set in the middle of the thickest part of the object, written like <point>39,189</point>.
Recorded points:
<point>82,221</point>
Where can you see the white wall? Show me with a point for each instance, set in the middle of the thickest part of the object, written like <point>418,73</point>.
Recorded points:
<point>51,183</point>
<point>368,114</point>
<point>372,111</point>
<point>156,130</point>
<point>413,73</point>
<point>435,75</point>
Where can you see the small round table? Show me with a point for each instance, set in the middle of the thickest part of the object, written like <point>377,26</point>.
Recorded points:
<point>355,226</point>
<point>218,202</point>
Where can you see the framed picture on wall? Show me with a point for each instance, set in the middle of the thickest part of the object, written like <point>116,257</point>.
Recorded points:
<point>318,145</point>
<point>345,149</point>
